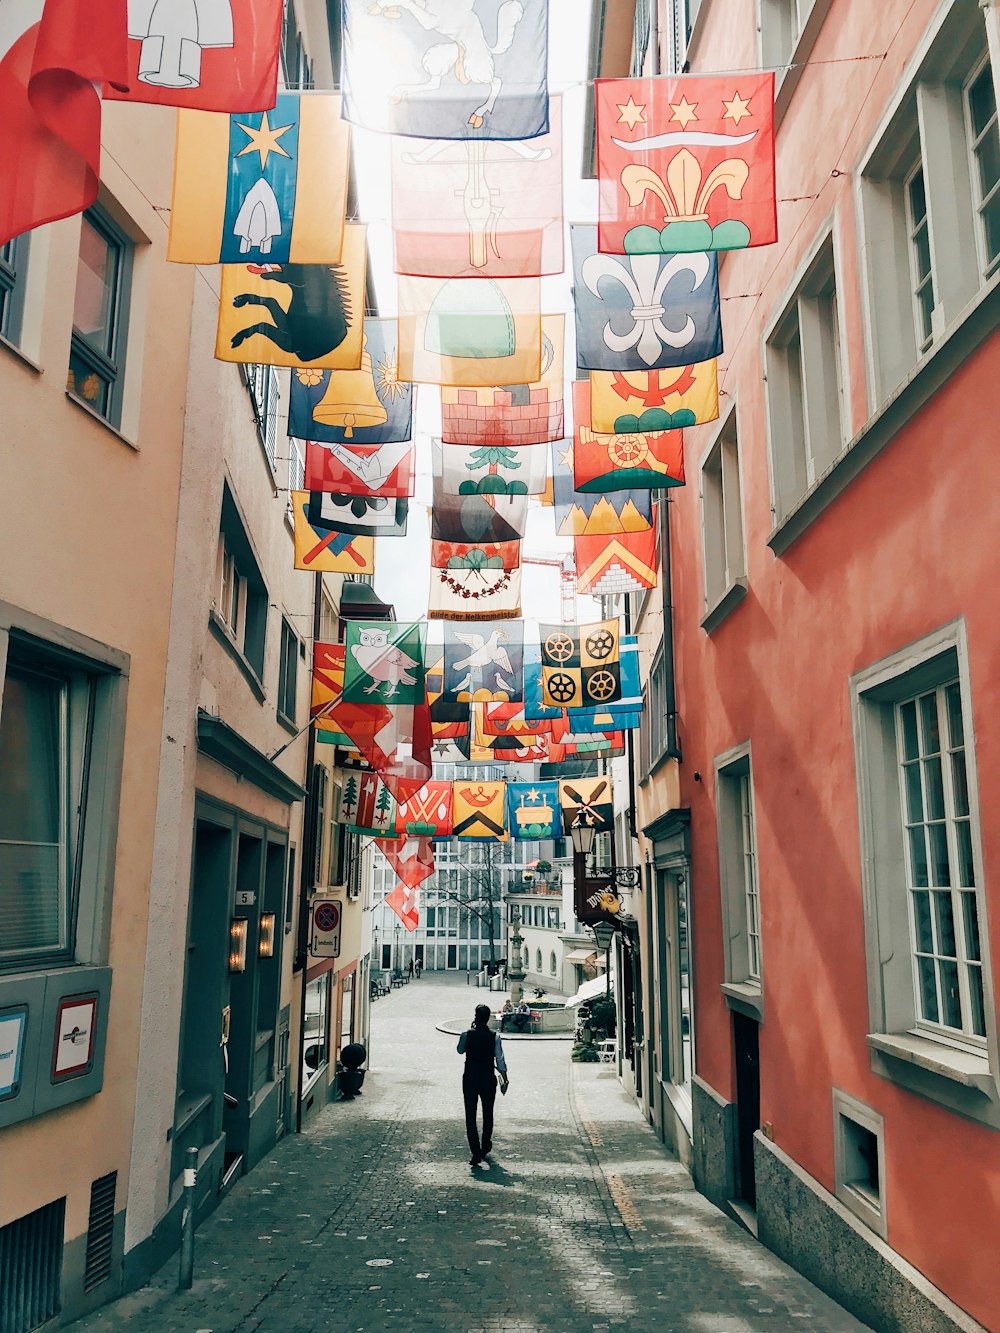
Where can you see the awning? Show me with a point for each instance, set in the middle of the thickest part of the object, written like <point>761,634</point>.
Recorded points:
<point>581,956</point>
<point>590,991</point>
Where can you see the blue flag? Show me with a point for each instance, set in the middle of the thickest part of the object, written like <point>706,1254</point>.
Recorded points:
<point>643,312</point>
<point>533,810</point>
<point>331,411</point>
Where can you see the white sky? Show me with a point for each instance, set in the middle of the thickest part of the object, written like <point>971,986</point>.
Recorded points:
<point>403,564</point>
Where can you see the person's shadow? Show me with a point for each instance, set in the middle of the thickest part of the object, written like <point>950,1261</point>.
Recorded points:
<point>496,1175</point>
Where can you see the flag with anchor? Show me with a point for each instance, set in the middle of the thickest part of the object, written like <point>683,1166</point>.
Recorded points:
<point>580,664</point>
<point>643,312</point>
<point>268,187</point>
<point>452,69</point>
<point>479,208</point>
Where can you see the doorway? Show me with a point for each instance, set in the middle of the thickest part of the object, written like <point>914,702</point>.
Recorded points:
<point>746,1049</point>
<point>452,955</point>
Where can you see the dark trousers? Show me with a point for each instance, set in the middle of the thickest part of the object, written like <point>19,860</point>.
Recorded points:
<point>475,1090</point>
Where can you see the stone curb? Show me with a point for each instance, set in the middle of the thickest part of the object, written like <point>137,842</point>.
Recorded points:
<point>455,1027</point>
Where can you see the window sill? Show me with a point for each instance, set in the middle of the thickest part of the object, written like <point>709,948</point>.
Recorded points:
<point>218,627</point>
<point>657,764</point>
<point>14,351</point>
<point>932,371</point>
<point>725,604</point>
<point>964,1067</point>
<point>286,722</point>
<point>101,421</point>
<point>744,997</point>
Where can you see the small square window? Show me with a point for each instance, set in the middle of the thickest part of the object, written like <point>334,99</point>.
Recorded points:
<point>859,1160</point>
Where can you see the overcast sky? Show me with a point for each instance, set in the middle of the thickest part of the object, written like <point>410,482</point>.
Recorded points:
<point>403,564</point>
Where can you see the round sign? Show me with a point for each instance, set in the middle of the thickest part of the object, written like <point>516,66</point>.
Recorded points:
<point>327,916</point>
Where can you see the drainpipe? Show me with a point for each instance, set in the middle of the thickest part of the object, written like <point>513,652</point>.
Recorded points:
<point>309,833</point>
<point>673,745</point>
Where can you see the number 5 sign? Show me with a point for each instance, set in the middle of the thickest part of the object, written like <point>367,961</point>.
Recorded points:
<point>324,940</point>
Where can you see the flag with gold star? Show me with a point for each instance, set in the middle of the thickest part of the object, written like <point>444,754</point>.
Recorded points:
<point>533,810</point>
<point>685,163</point>
<point>268,187</point>
<point>641,400</point>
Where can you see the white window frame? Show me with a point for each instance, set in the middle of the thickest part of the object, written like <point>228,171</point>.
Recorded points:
<point>723,540</point>
<point>942,1065</point>
<point>741,900</point>
<point>924,336</point>
<point>858,1199</point>
<point>987,267</point>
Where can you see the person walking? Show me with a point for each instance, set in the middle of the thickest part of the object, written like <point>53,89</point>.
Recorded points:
<point>482,1050</point>
<point>419,968</point>
<point>411,967</point>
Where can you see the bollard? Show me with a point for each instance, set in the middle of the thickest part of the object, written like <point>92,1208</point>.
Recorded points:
<point>187,1220</point>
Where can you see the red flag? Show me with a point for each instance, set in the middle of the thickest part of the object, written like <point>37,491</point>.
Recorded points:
<point>631,459</point>
<point>213,55</point>
<point>412,859</point>
<point>428,813</point>
<point>379,731</point>
<point>50,149</point>
<point>404,902</point>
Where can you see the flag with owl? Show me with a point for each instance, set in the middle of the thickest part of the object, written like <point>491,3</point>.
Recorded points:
<point>384,663</point>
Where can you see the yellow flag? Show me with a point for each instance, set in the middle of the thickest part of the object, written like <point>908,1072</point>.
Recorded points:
<point>629,401</point>
<point>470,331</point>
<point>327,552</point>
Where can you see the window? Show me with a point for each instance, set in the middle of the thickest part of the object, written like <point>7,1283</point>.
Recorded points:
<point>553,964</point>
<point>930,201</point>
<point>314,1046</point>
<point>61,731</point>
<point>940,873</point>
<point>780,26</point>
<point>239,617</point>
<point>296,472</point>
<point>296,67</point>
<point>538,960</point>
<point>859,1159</point>
<point>931,1012</point>
<point>739,882</point>
<point>13,261</point>
<point>288,671</point>
<point>100,316</point>
<point>984,141</point>
<point>722,520</point>
<point>265,394</point>
<point>804,385</point>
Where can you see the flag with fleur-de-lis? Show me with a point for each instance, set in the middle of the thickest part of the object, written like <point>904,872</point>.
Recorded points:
<point>643,311</point>
<point>686,163</point>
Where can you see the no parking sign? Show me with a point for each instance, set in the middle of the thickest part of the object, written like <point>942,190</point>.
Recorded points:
<point>327,915</point>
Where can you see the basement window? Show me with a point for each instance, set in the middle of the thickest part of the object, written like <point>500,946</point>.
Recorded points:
<point>859,1160</point>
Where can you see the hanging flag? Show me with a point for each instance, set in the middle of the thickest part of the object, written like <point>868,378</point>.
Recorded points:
<point>262,188</point>
<point>326,551</point>
<point>533,810</point>
<point>479,208</point>
<point>374,812</point>
<point>405,902</point>
<point>214,55</point>
<point>510,720</point>
<point>327,678</point>
<point>500,470</point>
<point>470,331</point>
<point>445,710</point>
<point>587,803</point>
<point>611,566</point>
<point>511,415</point>
<point>476,518</point>
<point>384,662</point>
<point>358,515</point>
<point>484,662</point>
<point>643,312</point>
<point>447,69</point>
<point>480,811</point>
<point>396,742</point>
<point>51,56</point>
<point>593,717</point>
<point>295,315</point>
<point>427,813</point>
<point>686,163</point>
<point>580,664</point>
<point>590,513</point>
<point>412,860</point>
<point>361,407</point>
<point>471,581</point>
<point>629,461</point>
<point>345,469</point>
<point>488,748</point>
<point>451,750</point>
<point>652,400</point>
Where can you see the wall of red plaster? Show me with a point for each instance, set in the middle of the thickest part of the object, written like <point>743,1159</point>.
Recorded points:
<point>909,546</point>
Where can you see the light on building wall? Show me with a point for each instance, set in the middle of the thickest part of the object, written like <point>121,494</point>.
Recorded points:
<point>265,941</point>
<point>583,838</point>
<point>238,944</point>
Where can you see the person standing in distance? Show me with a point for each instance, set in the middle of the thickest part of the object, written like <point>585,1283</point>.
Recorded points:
<point>482,1050</point>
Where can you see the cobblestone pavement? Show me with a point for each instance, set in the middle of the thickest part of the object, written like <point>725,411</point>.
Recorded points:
<point>372,1219</point>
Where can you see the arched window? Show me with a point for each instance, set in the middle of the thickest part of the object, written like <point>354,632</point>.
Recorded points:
<point>538,960</point>
<point>552,963</point>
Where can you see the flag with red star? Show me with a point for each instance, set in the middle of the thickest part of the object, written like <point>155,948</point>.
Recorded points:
<point>685,163</point>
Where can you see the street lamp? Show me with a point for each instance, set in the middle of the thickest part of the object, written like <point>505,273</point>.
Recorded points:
<point>396,955</point>
<point>604,933</point>
<point>583,838</point>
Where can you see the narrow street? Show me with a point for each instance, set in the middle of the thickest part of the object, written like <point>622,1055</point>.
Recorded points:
<point>373,1219</point>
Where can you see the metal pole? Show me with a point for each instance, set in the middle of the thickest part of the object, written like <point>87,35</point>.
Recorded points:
<point>187,1220</point>
<point>310,832</point>
<point>607,969</point>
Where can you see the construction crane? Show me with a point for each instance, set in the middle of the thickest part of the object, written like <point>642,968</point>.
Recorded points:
<point>567,582</point>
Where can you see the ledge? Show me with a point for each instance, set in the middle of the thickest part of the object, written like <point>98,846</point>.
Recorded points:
<point>723,605</point>
<point>979,319</point>
<point>220,742</point>
<point>963,1067</point>
<point>744,997</point>
<point>218,627</point>
<point>285,721</point>
<point>14,351</point>
<point>101,421</point>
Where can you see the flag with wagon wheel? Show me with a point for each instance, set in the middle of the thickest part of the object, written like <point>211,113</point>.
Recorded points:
<point>581,665</point>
